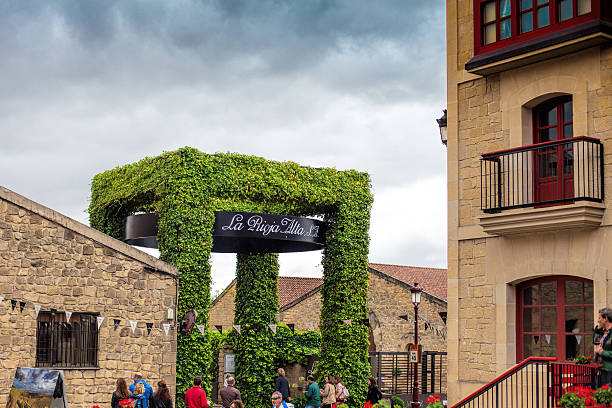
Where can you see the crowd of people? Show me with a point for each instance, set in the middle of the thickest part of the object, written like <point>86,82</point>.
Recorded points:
<point>140,394</point>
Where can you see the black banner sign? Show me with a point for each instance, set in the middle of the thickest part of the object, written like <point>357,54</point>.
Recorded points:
<point>241,232</point>
<point>245,232</point>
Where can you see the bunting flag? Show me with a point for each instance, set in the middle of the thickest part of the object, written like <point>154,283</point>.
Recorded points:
<point>133,324</point>
<point>404,317</point>
<point>149,327</point>
<point>116,323</point>
<point>350,323</point>
<point>100,319</point>
<point>37,310</point>
<point>272,327</point>
<point>237,327</point>
<point>68,316</point>
<point>1,299</point>
<point>578,339</point>
<point>365,322</point>
<point>547,338</point>
<point>21,306</point>
<point>202,328</point>
<point>218,327</point>
<point>291,327</point>
<point>166,327</point>
<point>427,326</point>
<point>13,304</point>
<point>309,326</point>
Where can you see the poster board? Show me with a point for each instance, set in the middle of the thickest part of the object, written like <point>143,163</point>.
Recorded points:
<point>37,388</point>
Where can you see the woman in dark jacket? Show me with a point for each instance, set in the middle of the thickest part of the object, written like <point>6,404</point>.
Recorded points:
<point>282,385</point>
<point>374,394</point>
<point>120,393</point>
<point>161,399</point>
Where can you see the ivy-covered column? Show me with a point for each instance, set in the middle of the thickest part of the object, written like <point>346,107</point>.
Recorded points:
<point>344,348</point>
<point>185,241</point>
<point>256,307</point>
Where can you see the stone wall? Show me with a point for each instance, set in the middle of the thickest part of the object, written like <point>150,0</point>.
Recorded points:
<point>303,313</point>
<point>221,312</point>
<point>52,261</point>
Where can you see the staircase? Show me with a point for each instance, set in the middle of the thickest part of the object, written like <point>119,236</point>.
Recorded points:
<point>537,382</point>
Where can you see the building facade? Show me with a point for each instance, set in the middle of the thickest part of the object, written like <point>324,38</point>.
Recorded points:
<point>528,154</point>
<point>78,300</point>
<point>389,299</point>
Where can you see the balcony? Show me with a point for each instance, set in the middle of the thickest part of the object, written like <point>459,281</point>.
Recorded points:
<point>543,187</point>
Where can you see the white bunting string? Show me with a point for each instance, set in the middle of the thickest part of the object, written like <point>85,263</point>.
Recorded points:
<point>201,328</point>
<point>133,325</point>
<point>100,319</point>
<point>166,327</point>
<point>37,309</point>
<point>68,316</point>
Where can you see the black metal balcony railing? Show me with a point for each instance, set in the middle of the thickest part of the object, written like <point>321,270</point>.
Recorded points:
<point>561,171</point>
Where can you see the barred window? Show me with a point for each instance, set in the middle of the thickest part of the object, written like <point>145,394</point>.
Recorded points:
<point>66,344</point>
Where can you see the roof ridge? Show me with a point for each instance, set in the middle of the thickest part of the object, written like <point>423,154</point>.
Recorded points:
<point>408,266</point>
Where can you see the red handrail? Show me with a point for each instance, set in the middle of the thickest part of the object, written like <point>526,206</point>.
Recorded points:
<point>500,377</point>
<point>517,149</point>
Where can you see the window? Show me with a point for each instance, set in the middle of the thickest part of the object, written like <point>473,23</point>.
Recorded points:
<point>555,318</point>
<point>554,166</point>
<point>534,14</point>
<point>500,20</point>
<point>66,344</point>
<point>496,20</point>
<point>573,8</point>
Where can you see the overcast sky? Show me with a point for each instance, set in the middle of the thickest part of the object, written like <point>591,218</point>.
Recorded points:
<point>87,86</point>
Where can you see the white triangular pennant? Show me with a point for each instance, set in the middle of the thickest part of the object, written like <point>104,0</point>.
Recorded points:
<point>68,316</point>
<point>133,325</point>
<point>100,320</point>
<point>272,327</point>
<point>37,309</point>
<point>309,326</point>
<point>1,299</point>
<point>166,327</point>
<point>237,327</point>
<point>547,336</point>
<point>578,339</point>
<point>349,322</point>
<point>201,328</point>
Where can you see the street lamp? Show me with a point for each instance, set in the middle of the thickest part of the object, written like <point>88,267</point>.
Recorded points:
<point>416,299</point>
<point>442,125</point>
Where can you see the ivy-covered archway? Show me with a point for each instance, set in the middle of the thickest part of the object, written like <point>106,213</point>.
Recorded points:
<point>185,187</point>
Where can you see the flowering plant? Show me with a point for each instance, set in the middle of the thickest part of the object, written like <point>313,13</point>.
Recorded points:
<point>435,401</point>
<point>603,396</point>
<point>95,406</point>
<point>127,403</point>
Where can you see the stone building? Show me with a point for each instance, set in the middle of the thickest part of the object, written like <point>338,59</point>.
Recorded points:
<point>529,130</point>
<point>52,269</point>
<point>388,299</point>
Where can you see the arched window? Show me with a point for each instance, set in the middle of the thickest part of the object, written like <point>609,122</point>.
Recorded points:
<point>555,318</point>
<point>554,166</point>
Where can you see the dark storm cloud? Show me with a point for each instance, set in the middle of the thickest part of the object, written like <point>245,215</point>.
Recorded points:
<point>233,40</point>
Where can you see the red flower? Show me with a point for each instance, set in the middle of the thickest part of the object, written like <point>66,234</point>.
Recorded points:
<point>437,396</point>
<point>590,357</point>
<point>430,400</point>
<point>127,401</point>
<point>589,402</point>
<point>605,387</point>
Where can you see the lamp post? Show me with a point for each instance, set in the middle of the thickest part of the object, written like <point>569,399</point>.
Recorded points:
<point>416,299</point>
<point>442,125</point>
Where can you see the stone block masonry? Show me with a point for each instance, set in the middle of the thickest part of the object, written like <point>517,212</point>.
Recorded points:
<point>49,260</point>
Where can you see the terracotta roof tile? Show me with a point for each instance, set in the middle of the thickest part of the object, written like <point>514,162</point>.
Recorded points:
<point>432,280</point>
<point>291,288</point>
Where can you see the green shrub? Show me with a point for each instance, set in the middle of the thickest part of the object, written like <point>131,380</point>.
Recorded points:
<point>571,400</point>
<point>397,402</point>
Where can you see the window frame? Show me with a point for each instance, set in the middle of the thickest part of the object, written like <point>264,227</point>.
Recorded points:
<point>67,345</point>
<point>560,315</point>
<point>517,37</point>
